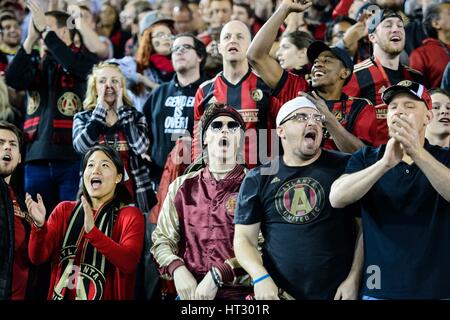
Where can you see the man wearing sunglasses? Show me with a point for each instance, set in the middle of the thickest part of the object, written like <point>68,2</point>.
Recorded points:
<point>311,251</point>
<point>169,110</point>
<point>192,242</point>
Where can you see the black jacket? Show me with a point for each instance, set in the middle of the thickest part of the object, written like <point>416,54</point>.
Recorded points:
<point>56,87</point>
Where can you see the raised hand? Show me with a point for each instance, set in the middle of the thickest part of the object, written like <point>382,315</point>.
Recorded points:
<point>296,5</point>
<point>88,215</point>
<point>37,15</point>
<point>319,103</point>
<point>101,89</point>
<point>404,131</point>
<point>119,96</point>
<point>36,209</point>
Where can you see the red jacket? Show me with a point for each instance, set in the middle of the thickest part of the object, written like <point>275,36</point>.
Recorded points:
<point>431,58</point>
<point>123,250</point>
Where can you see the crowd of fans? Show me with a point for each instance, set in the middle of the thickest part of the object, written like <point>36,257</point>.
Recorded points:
<point>224,149</point>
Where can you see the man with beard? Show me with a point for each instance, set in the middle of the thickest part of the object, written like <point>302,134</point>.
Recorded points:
<point>239,87</point>
<point>10,38</point>
<point>169,110</point>
<point>372,76</point>
<point>405,197</point>
<point>308,246</point>
<point>14,220</point>
<point>438,131</point>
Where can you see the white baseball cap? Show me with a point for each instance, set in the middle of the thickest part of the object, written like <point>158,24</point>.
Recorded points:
<point>292,105</point>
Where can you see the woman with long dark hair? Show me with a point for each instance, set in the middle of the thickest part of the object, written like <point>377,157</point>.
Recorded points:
<point>95,243</point>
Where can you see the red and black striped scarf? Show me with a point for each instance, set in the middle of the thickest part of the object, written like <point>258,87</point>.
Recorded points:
<point>81,268</point>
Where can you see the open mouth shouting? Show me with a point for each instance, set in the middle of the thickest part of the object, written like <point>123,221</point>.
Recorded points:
<point>96,183</point>
<point>310,137</point>
<point>7,158</point>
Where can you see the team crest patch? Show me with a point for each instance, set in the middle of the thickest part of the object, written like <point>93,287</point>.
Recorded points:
<point>69,104</point>
<point>257,95</point>
<point>230,203</point>
<point>34,99</point>
<point>405,83</point>
<point>338,115</point>
<point>300,200</point>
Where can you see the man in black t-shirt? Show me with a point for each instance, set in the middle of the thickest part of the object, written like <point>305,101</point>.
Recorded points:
<point>405,197</point>
<point>308,246</point>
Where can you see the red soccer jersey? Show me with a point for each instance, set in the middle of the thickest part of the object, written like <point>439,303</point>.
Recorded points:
<point>250,96</point>
<point>357,116</point>
<point>369,80</point>
<point>21,264</point>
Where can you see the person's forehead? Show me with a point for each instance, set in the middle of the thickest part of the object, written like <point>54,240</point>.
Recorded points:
<point>223,119</point>
<point>328,54</point>
<point>221,4</point>
<point>160,27</point>
<point>404,97</point>
<point>183,40</point>
<point>342,25</point>
<point>99,156</point>
<point>391,20</point>
<point>307,110</point>
<point>108,72</point>
<point>10,22</point>
<point>8,135</point>
<point>439,97</point>
<point>235,27</point>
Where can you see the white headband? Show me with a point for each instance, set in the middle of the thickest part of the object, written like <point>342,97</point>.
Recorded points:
<point>292,105</point>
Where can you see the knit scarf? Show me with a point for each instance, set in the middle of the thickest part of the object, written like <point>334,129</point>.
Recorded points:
<point>82,269</point>
<point>162,63</point>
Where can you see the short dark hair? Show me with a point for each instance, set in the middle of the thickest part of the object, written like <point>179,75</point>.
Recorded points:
<point>438,90</point>
<point>432,12</point>
<point>300,39</point>
<point>230,1</point>
<point>250,12</point>
<point>198,45</point>
<point>4,125</point>
<point>61,20</point>
<point>7,15</point>
<point>121,195</point>
<point>331,24</point>
<point>184,7</point>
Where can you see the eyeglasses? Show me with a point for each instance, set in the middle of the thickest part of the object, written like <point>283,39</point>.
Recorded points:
<point>182,48</point>
<point>216,126</point>
<point>304,117</point>
<point>162,35</point>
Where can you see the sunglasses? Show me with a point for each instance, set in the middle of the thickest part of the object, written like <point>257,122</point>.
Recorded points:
<point>182,48</point>
<point>216,126</point>
<point>303,117</point>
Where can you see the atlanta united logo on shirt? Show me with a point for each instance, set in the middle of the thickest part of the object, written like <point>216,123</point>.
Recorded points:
<point>300,200</point>
<point>230,203</point>
<point>69,104</point>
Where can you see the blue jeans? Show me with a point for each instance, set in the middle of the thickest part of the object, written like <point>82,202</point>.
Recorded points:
<point>55,181</point>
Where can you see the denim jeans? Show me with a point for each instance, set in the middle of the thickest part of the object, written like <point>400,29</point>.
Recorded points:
<point>55,181</point>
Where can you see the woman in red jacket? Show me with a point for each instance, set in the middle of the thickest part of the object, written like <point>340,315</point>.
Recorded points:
<point>95,244</point>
